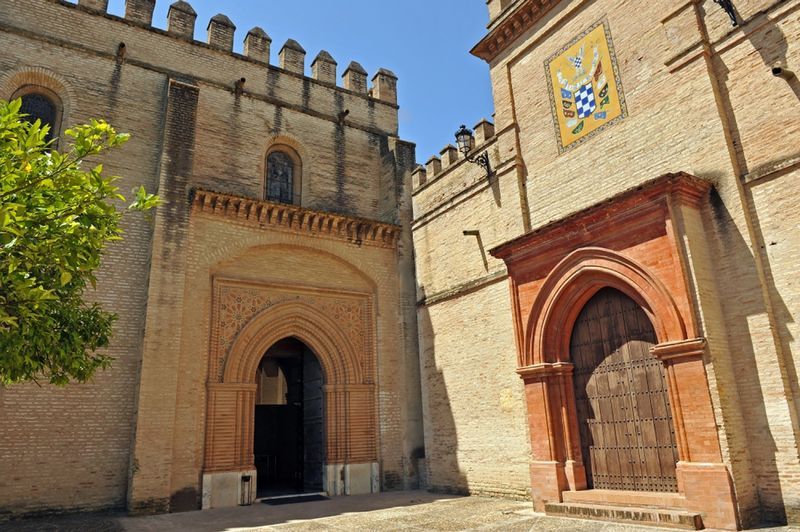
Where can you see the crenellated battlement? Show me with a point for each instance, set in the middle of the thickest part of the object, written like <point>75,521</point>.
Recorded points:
<point>220,32</point>
<point>138,11</point>
<point>449,156</point>
<point>98,5</point>
<point>220,35</point>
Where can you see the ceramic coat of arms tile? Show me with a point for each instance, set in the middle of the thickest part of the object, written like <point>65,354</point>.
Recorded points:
<point>585,90</point>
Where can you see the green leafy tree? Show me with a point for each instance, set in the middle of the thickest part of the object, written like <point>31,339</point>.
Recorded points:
<point>55,221</point>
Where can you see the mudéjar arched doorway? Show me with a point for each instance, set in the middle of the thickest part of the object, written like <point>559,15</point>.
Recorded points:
<point>640,243</point>
<point>289,322</point>
<point>565,465</point>
<point>622,398</point>
<point>289,430</point>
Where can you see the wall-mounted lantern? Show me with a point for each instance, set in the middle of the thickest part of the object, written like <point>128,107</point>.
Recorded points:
<point>727,5</point>
<point>464,141</point>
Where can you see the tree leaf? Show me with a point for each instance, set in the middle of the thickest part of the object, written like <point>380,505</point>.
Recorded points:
<point>56,220</point>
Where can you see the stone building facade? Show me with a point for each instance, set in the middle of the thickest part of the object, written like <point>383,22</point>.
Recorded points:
<point>603,322</point>
<point>286,216</point>
<point>626,278</point>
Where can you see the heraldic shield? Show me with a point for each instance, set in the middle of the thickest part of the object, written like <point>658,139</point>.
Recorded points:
<point>586,92</point>
<point>584,101</point>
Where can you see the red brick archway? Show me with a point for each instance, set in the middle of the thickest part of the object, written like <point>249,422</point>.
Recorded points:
<point>547,371</point>
<point>574,281</point>
<point>304,322</point>
<point>632,244</point>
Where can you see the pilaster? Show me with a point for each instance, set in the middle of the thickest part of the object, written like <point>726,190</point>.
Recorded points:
<point>557,464</point>
<point>702,477</point>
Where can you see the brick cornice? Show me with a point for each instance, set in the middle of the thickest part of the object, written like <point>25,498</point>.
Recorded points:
<point>631,209</point>
<point>295,219</point>
<point>512,26</point>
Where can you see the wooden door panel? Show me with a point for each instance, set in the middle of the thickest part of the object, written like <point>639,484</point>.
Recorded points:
<point>626,430</point>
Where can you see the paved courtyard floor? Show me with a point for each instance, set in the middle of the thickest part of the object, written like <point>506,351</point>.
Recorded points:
<point>386,511</point>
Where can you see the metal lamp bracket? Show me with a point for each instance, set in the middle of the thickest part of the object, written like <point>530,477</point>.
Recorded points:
<point>483,161</point>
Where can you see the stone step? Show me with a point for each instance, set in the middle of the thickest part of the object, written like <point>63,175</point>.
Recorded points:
<point>633,515</point>
<point>627,498</point>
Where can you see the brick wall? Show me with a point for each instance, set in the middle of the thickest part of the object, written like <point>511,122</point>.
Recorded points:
<point>70,448</point>
<point>725,119</point>
<point>192,127</point>
<point>476,438</point>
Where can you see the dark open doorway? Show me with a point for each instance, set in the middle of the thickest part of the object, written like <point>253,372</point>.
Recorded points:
<point>289,442</point>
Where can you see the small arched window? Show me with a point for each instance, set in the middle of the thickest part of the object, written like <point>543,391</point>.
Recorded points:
<point>39,104</point>
<point>283,177</point>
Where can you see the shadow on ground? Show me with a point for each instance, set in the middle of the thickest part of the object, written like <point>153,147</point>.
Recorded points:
<point>255,516</point>
<point>408,511</point>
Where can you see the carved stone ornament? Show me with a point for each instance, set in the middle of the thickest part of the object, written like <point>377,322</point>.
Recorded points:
<point>236,303</point>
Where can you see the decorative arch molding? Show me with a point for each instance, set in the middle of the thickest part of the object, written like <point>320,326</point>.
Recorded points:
<point>335,351</point>
<point>25,79</point>
<point>574,281</point>
<point>276,141</point>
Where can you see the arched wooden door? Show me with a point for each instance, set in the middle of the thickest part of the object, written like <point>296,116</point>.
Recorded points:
<point>622,400</point>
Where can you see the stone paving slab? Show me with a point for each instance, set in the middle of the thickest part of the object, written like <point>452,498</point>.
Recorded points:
<point>71,523</point>
<point>407,511</point>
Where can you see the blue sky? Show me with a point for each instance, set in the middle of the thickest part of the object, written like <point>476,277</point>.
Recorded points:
<point>425,42</point>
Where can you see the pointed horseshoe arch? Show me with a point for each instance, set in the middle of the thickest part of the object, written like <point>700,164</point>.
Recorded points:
<point>349,392</point>
<point>336,353</point>
<point>574,281</point>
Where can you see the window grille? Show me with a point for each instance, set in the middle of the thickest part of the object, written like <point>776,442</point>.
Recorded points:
<point>280,177</point>
<point>39,107</point>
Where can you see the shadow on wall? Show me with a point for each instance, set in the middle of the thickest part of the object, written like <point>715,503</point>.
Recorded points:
<point>771,44</point>
<point>740,271</point>
<point>444,473</point>
<point>743,274</point>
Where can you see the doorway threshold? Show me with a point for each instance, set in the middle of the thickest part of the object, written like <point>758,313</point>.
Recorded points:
<point>651,499</point>
<point>279,500</point>
<point>306,494</point>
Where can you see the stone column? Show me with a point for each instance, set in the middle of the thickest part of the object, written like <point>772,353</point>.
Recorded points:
<point>231,408</point>
<point>150,485</point>
<point>229,446</point>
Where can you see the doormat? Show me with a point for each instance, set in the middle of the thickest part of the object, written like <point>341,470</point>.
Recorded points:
<point>293,500</point>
